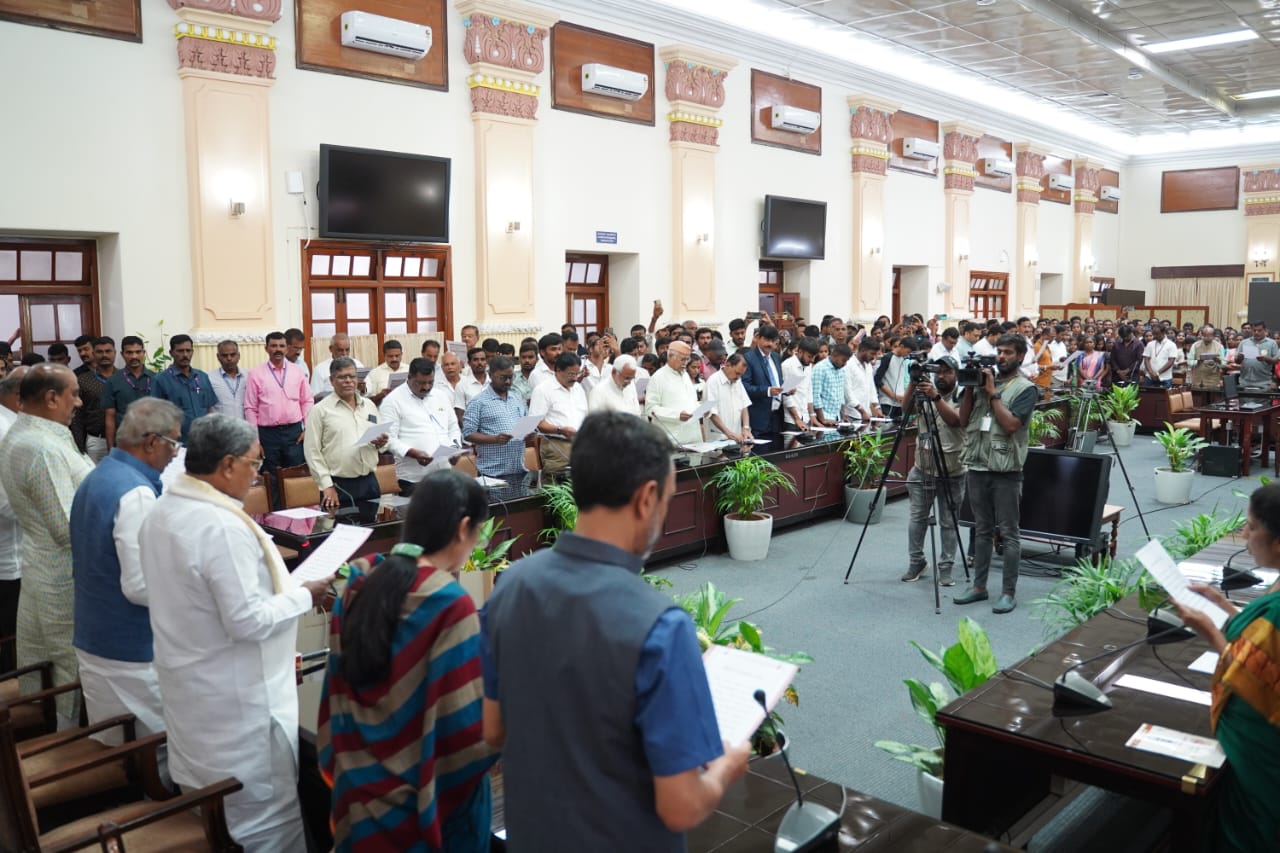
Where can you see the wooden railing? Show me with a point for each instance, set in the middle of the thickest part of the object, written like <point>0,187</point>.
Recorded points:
<point>1197,315</point>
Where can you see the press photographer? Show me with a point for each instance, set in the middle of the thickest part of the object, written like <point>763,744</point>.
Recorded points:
<point>933,395</point>
<point>995,415</point>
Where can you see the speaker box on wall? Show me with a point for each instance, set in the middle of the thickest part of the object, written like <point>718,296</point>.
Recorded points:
<point>1264,302</point>
<point>1219,461</point>
<point>1111,296</point>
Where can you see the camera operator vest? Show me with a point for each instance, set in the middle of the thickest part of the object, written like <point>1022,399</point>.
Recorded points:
<point>952,439</point>
<point>994,449</point>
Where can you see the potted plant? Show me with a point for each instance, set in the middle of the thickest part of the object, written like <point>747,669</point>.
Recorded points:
<point>1173,483</point>
<point>1118,405</point>
<point>865,457</point>
<point>708,607</point>
<point>561,507</point>
<point>480,571</point>
<point>1044,425</point>
<point>741,491</point>
<point>966,664</point>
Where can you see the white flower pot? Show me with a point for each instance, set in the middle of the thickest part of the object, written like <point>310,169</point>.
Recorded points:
<point>1173,487</point>
<point>858,501</point>
<point>930,790</point>
<point>1122,434</point>
<point>749,538</point>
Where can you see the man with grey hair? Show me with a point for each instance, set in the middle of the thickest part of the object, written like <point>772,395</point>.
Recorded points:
<point>339,347</point>
<point>224,618</point>
<point>670,398</point>
<point>342,467</point>
<point>42,470</point>
<point>617,391</point>
<point>112,625</point>
<point>10,530</point>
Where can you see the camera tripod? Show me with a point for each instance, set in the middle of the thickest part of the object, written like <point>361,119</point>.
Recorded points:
<point>1076,439</point>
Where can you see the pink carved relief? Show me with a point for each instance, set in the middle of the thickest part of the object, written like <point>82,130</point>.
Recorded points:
<point>1268,209</point>
<point>868,165</point>
<point>868,123</point>
<point>1028,197</point>
<point>261,10</point>
<point>1087,180</point>
<point>957,182</point>
<point>1262,180</point>
<point>695,83</point>
<point>1030,165</point>
<point>1085,206</point>
<point>239,59</point>
<point>507,43</point>
<point>683,131</point>
<point>960,146</point>
<point>502,103</point>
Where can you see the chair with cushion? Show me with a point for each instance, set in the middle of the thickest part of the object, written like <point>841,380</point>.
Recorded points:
<point>33,713</point>
<point>297,487</point>
<point>258,501</point>
<point>388,484</point>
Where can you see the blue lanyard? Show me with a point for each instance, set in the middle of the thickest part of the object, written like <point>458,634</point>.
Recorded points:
<point>236,390</point>
<point>194,379</point>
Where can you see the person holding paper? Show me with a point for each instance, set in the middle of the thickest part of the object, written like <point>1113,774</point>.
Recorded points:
<point>342,467</point>
<point>1207,358</point>
<point>488,422</point>
<point>1245,713</point>
<point>617,390</point>
<point>763,382</point>
<point>1256,357</point>
<point>400,736</point>
<point>861,402</point>
<point>1158,358</point>
<point>798,405</point>
<point>593,681</point>
<point>224,621</point>
<point>420,418</point>
<point>378,382</point>
<point>562,404</point>
<point>670,397</point>
<point>730,418</point>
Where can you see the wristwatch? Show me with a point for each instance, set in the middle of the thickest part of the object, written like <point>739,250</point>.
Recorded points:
<point>997,396</point>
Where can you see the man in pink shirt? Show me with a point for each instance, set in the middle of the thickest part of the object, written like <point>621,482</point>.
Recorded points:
<point>277,398</point>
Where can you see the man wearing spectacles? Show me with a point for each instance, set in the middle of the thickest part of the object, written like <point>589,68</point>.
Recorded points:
<point>342,468</point>
<point>670,397</point>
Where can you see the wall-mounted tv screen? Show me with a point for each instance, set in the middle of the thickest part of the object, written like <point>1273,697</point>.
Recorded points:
<point>1079,483</point>
<point>383,195</point>
<point>794,228</point>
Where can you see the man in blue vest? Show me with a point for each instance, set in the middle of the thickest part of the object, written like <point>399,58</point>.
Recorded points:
<point>594,685</point>
<point>112,624</point>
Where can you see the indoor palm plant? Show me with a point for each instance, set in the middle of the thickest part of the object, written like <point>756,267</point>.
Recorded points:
<point>1173,483</point>
<point>479,573</point>
<point>1045,425</point>
<point>966,664</point>
<point>1118,406</point>
<point>562,509</point>
<point>741,489</point>
<point>865,457</point>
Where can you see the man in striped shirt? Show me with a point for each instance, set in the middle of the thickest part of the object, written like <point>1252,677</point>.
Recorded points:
<point>827,380</point>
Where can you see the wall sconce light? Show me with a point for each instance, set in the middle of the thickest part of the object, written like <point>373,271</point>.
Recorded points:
<point>237,209</point>
<point>875,250</point>
<point>963,257</point>
<point>703,238</point>
<point>1088,262</point>
<point>1242,314</point>
<point>1261,257</point>
<point>943,287</point>
<point>513,227</point>
<point>1033,262</point>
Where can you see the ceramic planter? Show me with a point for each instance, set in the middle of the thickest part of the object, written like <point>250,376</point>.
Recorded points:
<point>930,789</point>
<point>857,503</point>
<point>749,538</point>
<point>1173,487</point>
<point>1122,433</point>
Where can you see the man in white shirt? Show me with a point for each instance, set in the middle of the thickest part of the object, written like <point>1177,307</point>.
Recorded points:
<point>797,407</point>
<point>970,334</point>
<point>617,390</point>
<point>339,347</point>
<point>946,345</point>
<point>550,346</point>
<point>562,405</point>
<point>10,530</point>
<point>295,348</point>
<point>224,620</point>
<point>1031,361</point>
<point>892,374</point>
<point>1058,351</point>
<point>378,382</point>
<point>985,347</point>
<point>730,418</point>
<point>475,378</point>
<point>451,367</point>
<point>228,381</point>
<point>420,419</point>
<point>1158,358</point>
<point>860,399</point>
<point>670,398</point>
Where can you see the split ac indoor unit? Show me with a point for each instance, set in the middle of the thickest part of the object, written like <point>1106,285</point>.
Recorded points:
<point>402,39</point>
<point>1110,194</point>
<point>598,79</point>
<point>915,148</point>
<point>997,167</point>
<point>794,119</point>
<point>1061,182</point>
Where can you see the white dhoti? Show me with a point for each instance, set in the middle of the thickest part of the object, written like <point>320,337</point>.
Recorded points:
<point>115,687</point>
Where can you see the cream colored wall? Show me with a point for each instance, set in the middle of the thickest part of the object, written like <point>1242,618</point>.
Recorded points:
<point>1056,231</point>
<point>991,235</point>
<point>914,232</point>
<point>1106,245</point>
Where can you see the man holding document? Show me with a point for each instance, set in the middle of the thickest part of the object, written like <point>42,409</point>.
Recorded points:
<point>594,684</point>
<point>419,419</point>
<point>341,452</point>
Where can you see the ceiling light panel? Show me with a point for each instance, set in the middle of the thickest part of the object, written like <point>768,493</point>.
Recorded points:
<point>1200,42</point>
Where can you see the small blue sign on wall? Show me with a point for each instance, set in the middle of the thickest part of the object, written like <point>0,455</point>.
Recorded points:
<point>610,237</point>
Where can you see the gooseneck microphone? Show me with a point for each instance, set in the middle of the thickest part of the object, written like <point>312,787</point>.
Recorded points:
<point>805,826</point>
<point>1074,689</point>
<point>759,697</point>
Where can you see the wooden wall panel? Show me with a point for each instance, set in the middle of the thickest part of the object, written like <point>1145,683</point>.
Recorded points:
<point>572,47</point>
<point>1200,189</point>
<point>909,124</point>
<point>318,26</point>
<point>1055,166</point>
<point>767,90</point>
<point>990,146</point>
<point>1107,178</point>
<point>1202,271</point>
<point>119,19</point>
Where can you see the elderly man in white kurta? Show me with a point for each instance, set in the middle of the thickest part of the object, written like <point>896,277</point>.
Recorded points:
<point>616,391</point>
<point>41,471</point>
<point>224,618</point>
<point>670,398</point>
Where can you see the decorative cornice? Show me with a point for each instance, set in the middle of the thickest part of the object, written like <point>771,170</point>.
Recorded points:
<point>695,55</point>
<point>960,146</point>
<point>1029,164</point>
<point>694,118</point>
<point>260,10</point>
<point>235,59</point>
<point>189,30</point>
<point>504,43</point>
<point>1262,205</point>
<point>509,328</point>
<point>503,102</point>
<point>1032,148</point>
<point>215,338</point>
<point>508,10</point>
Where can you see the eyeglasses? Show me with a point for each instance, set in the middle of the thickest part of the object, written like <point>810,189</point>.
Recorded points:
<point>174,443</point>
<point>344,377</point>
<point>255,461</point>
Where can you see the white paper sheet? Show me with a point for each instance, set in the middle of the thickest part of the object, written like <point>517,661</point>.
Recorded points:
<point>1249,349</point>
<point>791,384</point>
<point>373,432</point>
<point>1164,688</point>
<point>490,482</point>
<point>333,552</point>
<point>757,441</point>
<point>734,676</point>
<point>395,380</point>
<point>390,500</point>
<point>525,426</point>
<point>702,410</point>
<point>1206,663</point>
<point>1176,744</point>
<point>641,384</point>
<point>1162,567</point>
<point>299,512</point>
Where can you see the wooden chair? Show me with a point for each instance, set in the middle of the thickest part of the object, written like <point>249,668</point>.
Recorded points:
<point>35,713</point>
<point>258,501</point>
<point>167,825</point>
<point>297,487</point>
<point>112,783</point>
<point>388,483</point>
<point>467,465</point>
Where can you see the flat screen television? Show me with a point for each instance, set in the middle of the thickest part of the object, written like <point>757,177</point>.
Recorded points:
<point>1063,495</point>
<point>794,228</point>
<point>383,195</point>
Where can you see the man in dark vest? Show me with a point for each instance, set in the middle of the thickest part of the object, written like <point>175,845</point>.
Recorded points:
<point>112,622</point>
<point>594,686</point>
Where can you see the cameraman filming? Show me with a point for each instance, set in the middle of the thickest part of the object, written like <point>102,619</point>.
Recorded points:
<point>924,482</point>
<point>995,415</point>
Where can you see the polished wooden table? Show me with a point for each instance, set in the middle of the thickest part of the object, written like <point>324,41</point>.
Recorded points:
<point>1245,420</point>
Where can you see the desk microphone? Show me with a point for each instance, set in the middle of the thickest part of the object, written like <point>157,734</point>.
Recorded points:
<point>805,826</point>
<point>1233,579</point>
<point>1072,688</point>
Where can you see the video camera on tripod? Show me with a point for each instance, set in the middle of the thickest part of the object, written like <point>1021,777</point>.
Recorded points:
<point>970,373</point>
<point>919,367</point>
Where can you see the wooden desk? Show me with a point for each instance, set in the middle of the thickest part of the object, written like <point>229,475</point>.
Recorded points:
<point>1006,743</point>
<point>1245,420</point>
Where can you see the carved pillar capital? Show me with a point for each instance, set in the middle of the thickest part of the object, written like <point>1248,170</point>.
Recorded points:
<point>504,44</point>
<point>695,90</point>
<point>871,128</point>
<point>216,36</point>
<point>959,153</point>
<point>1029,167</point>
<point>1085,194</point>
<point>1261,190</point>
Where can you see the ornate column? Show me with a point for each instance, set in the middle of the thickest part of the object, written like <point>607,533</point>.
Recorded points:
<point>226,61</point>
<point>960,154</point>
<point>1024,278</point>
<point>695,93</point>
<point>503,43</point>
<point>1262,218</point>
<point>1084,197</point>
<point>870,128</point>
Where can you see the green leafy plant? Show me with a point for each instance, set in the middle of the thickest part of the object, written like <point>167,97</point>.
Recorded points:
<point>1119,404</point>
<point>159,358</point>
<point>1195,534</point>
<point>1086,589</point>
<point>966,664</point>
<point>563,509</point>
<point>743,487</point>
<point>865,457</point>
<point>1180,446</point>
<point>485,556</point>
<point>1044,424</point>
<point>709,608</point>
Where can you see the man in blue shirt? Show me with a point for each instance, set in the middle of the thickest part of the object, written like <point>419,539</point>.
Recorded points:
<point>489,419</point>
<point>594,685</point>
<point>183,385</point>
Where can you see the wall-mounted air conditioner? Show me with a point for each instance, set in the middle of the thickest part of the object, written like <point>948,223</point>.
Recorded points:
<point>997,167</point>
<point>1061,182</point>
<point>794,119</point>
<point>1110,194</point>
<point>598,79</point>
<point>401,39</point>
<point>915,148</point>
